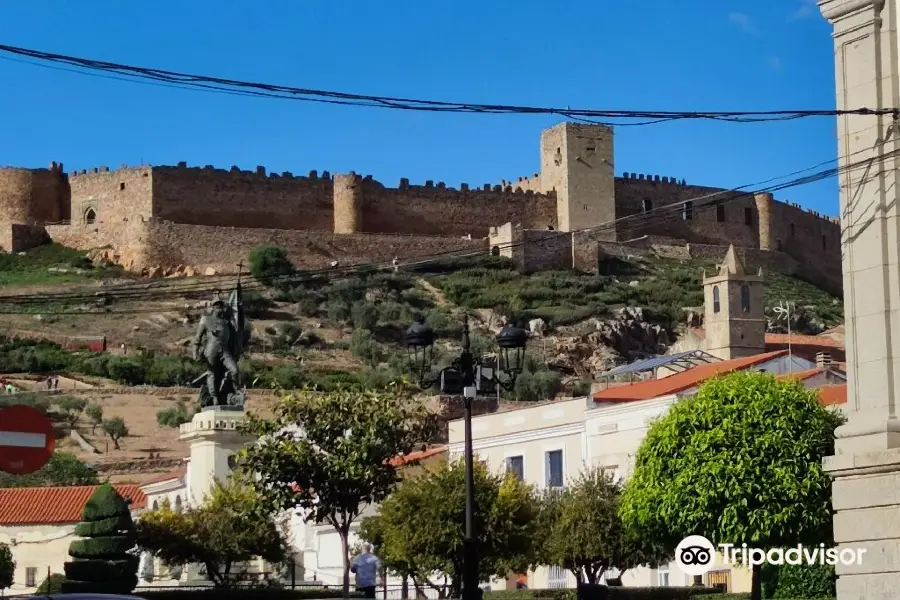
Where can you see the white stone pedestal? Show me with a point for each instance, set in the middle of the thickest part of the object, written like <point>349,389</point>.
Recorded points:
<point>866,465</point>
<point>866,497</point>
<point>213,437</point>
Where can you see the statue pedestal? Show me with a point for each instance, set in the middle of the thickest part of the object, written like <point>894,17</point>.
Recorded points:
<point>213,437</point>
<point>866,499</point>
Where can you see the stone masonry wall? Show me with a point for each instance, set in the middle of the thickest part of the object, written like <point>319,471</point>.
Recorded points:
<point>32,195</point>
<point>221,248</point>
<point>111,197</point>
<point>546,250</point>
<point>128,238</point>
<point>436,210</point>
<point>734,221</point>
<point>236,198</point>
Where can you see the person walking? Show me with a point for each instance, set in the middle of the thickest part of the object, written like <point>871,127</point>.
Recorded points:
<point>366,566</point>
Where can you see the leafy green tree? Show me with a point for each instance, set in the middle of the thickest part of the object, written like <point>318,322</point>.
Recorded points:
<point>63,469</point>
<point>175,416</point>
<point>115,429</point>
<point>269,262</point>
<point>582,532</point>
<point>72,408</point>
<point>232,526</point>
<point>419,529</point>
<point>7,567</point>
<point>94,413</point>
<point>342,461</point>
<point>799,581</point>
<point>741,462</point>
<point>103,561</point>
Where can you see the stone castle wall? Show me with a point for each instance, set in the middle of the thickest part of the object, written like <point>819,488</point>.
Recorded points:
<point>574,192</point>
<point>156,243</point>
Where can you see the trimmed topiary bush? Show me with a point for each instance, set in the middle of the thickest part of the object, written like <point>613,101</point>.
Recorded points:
<point>102,560</point>
<point>51,585</point>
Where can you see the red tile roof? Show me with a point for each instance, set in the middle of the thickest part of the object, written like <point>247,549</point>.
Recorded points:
<point>656,388</point>
<point>55,505</point>
<point>421,455</point>
<point>830,395</point>
<point>165,477</point>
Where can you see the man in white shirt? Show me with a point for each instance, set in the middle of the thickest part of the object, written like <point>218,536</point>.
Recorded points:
<point>366,566</point>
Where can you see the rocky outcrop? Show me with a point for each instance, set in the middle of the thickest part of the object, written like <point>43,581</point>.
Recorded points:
<point>625,337</point>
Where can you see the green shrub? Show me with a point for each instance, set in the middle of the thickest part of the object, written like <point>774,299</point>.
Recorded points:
<point>364,347</point>
<point>269,262</point>
<point>101,561</point>
<point>51,585</point>
<point>174,417</point>
<point>804,581</point>
<point>363,315</point>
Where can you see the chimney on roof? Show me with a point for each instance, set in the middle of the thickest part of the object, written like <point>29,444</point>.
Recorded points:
<point>823,359</point>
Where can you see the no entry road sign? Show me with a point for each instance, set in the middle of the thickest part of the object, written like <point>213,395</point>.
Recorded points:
<point>26,439</point>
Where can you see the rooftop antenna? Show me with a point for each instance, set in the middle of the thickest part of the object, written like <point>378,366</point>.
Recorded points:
<point>783,312</point>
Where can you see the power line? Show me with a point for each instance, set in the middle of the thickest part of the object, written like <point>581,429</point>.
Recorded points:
<point>636,223</point>
<point>259,89</point>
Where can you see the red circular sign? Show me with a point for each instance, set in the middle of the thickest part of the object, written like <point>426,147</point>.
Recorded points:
<point>26,439</point>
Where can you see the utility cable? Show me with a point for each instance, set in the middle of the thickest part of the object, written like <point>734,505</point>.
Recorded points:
<point>219,84</point>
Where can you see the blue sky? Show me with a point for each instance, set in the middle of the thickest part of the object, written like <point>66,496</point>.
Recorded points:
<point>650,54</point>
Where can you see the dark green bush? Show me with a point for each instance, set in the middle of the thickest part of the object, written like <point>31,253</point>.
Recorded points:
<point>269,262</point>
<point>51,585</point>
<point>102,561</point>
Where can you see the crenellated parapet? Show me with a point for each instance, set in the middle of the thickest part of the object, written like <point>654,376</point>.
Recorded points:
<point>661,179</point>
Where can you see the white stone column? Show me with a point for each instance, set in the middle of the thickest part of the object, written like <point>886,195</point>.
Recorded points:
<point>866,465</point>
<point>213,437</point>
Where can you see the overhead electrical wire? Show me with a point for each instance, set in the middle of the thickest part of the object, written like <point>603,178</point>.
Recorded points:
<point>636,223</point>
<point>268,90</point>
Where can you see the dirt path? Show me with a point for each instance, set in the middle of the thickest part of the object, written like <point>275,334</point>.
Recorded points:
<point>436,294</point>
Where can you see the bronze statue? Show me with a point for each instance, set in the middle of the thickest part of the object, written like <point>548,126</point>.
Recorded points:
<point>220,343</point>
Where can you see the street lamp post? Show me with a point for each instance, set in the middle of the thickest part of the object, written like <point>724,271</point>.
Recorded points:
<point>468,375</point>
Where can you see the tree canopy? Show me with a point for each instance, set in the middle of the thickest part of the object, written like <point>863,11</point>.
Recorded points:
<point>102,559</point>
<point>420,528</point>
<point>741,462</point>
<point>233,526</point>
<point>7,567</point>
<point>581,530</point>
<point>332,454</point>
<point>63,469</point>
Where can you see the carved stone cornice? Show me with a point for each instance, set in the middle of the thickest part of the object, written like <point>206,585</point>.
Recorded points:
<point>834,10</point>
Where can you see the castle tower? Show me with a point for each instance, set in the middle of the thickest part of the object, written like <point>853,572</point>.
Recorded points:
<point>764,213</point>
<point>734,303</point>
<point>348,203</point>
<point>577,162</point>
<point>213,438</point>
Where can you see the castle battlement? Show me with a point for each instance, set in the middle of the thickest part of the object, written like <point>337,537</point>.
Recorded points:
<point>653,179</point>
<point>182,169</point>
<point>430,187</point>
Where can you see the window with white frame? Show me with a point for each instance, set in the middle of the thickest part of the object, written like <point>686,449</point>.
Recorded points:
<point>31,577</point>
<point>554,469</point>
<point>516,465</point>
<point>662,577</point>
<point>556,578</point>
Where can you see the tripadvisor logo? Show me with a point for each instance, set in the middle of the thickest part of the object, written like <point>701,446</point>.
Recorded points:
<point>696,555</point>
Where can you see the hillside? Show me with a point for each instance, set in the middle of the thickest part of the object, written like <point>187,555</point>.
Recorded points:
<point>324,331</point>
